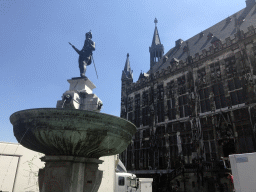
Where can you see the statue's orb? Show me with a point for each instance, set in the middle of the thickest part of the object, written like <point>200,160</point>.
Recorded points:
<point>55,131</point>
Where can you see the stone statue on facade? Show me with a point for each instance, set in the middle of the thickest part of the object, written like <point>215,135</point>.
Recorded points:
<point>85,55</point>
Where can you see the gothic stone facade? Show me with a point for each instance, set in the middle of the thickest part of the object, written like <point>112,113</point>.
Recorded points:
<point>196,104</point>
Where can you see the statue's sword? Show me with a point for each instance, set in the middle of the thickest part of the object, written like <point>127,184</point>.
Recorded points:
<point>75,48</point>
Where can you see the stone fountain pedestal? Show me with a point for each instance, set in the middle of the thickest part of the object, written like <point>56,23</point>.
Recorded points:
<point>69,173</point>
<point>80,96</point>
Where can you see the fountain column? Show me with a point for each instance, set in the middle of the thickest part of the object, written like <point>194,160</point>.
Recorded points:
<point>69,173</point>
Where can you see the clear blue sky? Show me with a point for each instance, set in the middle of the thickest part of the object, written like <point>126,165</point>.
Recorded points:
<point>36,59</point>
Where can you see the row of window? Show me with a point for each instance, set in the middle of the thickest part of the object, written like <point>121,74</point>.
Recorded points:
<point>237,96</point>
<point>236,90</point>
<point>161,130</point>
<point>239,115</point>
<point>145,157</point>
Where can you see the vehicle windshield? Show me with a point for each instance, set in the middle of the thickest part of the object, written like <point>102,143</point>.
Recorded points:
<point>133,182</point>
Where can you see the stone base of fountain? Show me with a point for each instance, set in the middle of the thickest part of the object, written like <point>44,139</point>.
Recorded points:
<point>72,136</point>
<point>69,173</point>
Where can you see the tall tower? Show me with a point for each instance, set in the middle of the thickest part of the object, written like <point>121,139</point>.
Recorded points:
<point>127,79</point>
<point>157,49</point>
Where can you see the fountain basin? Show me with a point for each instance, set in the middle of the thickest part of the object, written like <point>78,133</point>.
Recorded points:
<point>72,132</point>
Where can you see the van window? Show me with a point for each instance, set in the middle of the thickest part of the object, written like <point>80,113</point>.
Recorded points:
<point>121,181</point>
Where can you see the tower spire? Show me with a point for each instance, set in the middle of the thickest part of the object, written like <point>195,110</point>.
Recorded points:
<point>157,49</point>
<point>156,38</point>
<point>127,72</point>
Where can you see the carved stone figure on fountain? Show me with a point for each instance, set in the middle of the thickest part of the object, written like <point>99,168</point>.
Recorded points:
<point>85,55</point>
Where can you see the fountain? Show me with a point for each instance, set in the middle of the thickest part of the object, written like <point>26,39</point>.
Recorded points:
<point>72,136</point>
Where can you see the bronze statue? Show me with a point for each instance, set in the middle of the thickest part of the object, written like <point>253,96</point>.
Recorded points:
<point>85,55</point>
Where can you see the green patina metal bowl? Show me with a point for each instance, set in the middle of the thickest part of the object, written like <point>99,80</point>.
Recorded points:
<point>55,131</point>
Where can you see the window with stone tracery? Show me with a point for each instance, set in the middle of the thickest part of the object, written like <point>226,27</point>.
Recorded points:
<point>215,71</point>
<point>209,145</point>
<point>184,107</point>
<point>145,109</point>
<point>162,158</point>
<point>144,158</point>
<point>160,104</point>
<point>129,157</point>
<point>145,98</point>
<point>130,104</point>
<point>201,76</point>
<point>186,144</point>
<point>204,99</point>
<point>182,84</point>
<point>151,160</point>
<point>171,100</point>
<point>219,96</point>
<point>137,101</point>
<point>170,90</point>
<point>244,130</point>
<point>173,147</point>
<point>236,91</point>
<point>160,92</point>
<point>245,138</point>
<point>230,66</point>
<point>171,109</point>
<point>136,160</point>
<point>137,110</point>
<point>208,138</point>
<point>130,109</point>
<point>137,149</point>
<point>145,116</point>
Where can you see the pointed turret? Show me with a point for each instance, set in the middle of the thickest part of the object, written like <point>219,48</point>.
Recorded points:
<point>156,38</point>
<point>157,49</point>
<point>127,72</point>
<point>143,75</point>
<point>127,79</point>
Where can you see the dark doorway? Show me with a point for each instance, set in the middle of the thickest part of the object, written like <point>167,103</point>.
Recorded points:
<point>229,148</point>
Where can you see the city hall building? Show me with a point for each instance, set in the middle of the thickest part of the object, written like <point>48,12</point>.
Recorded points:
<point>195,105</point>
